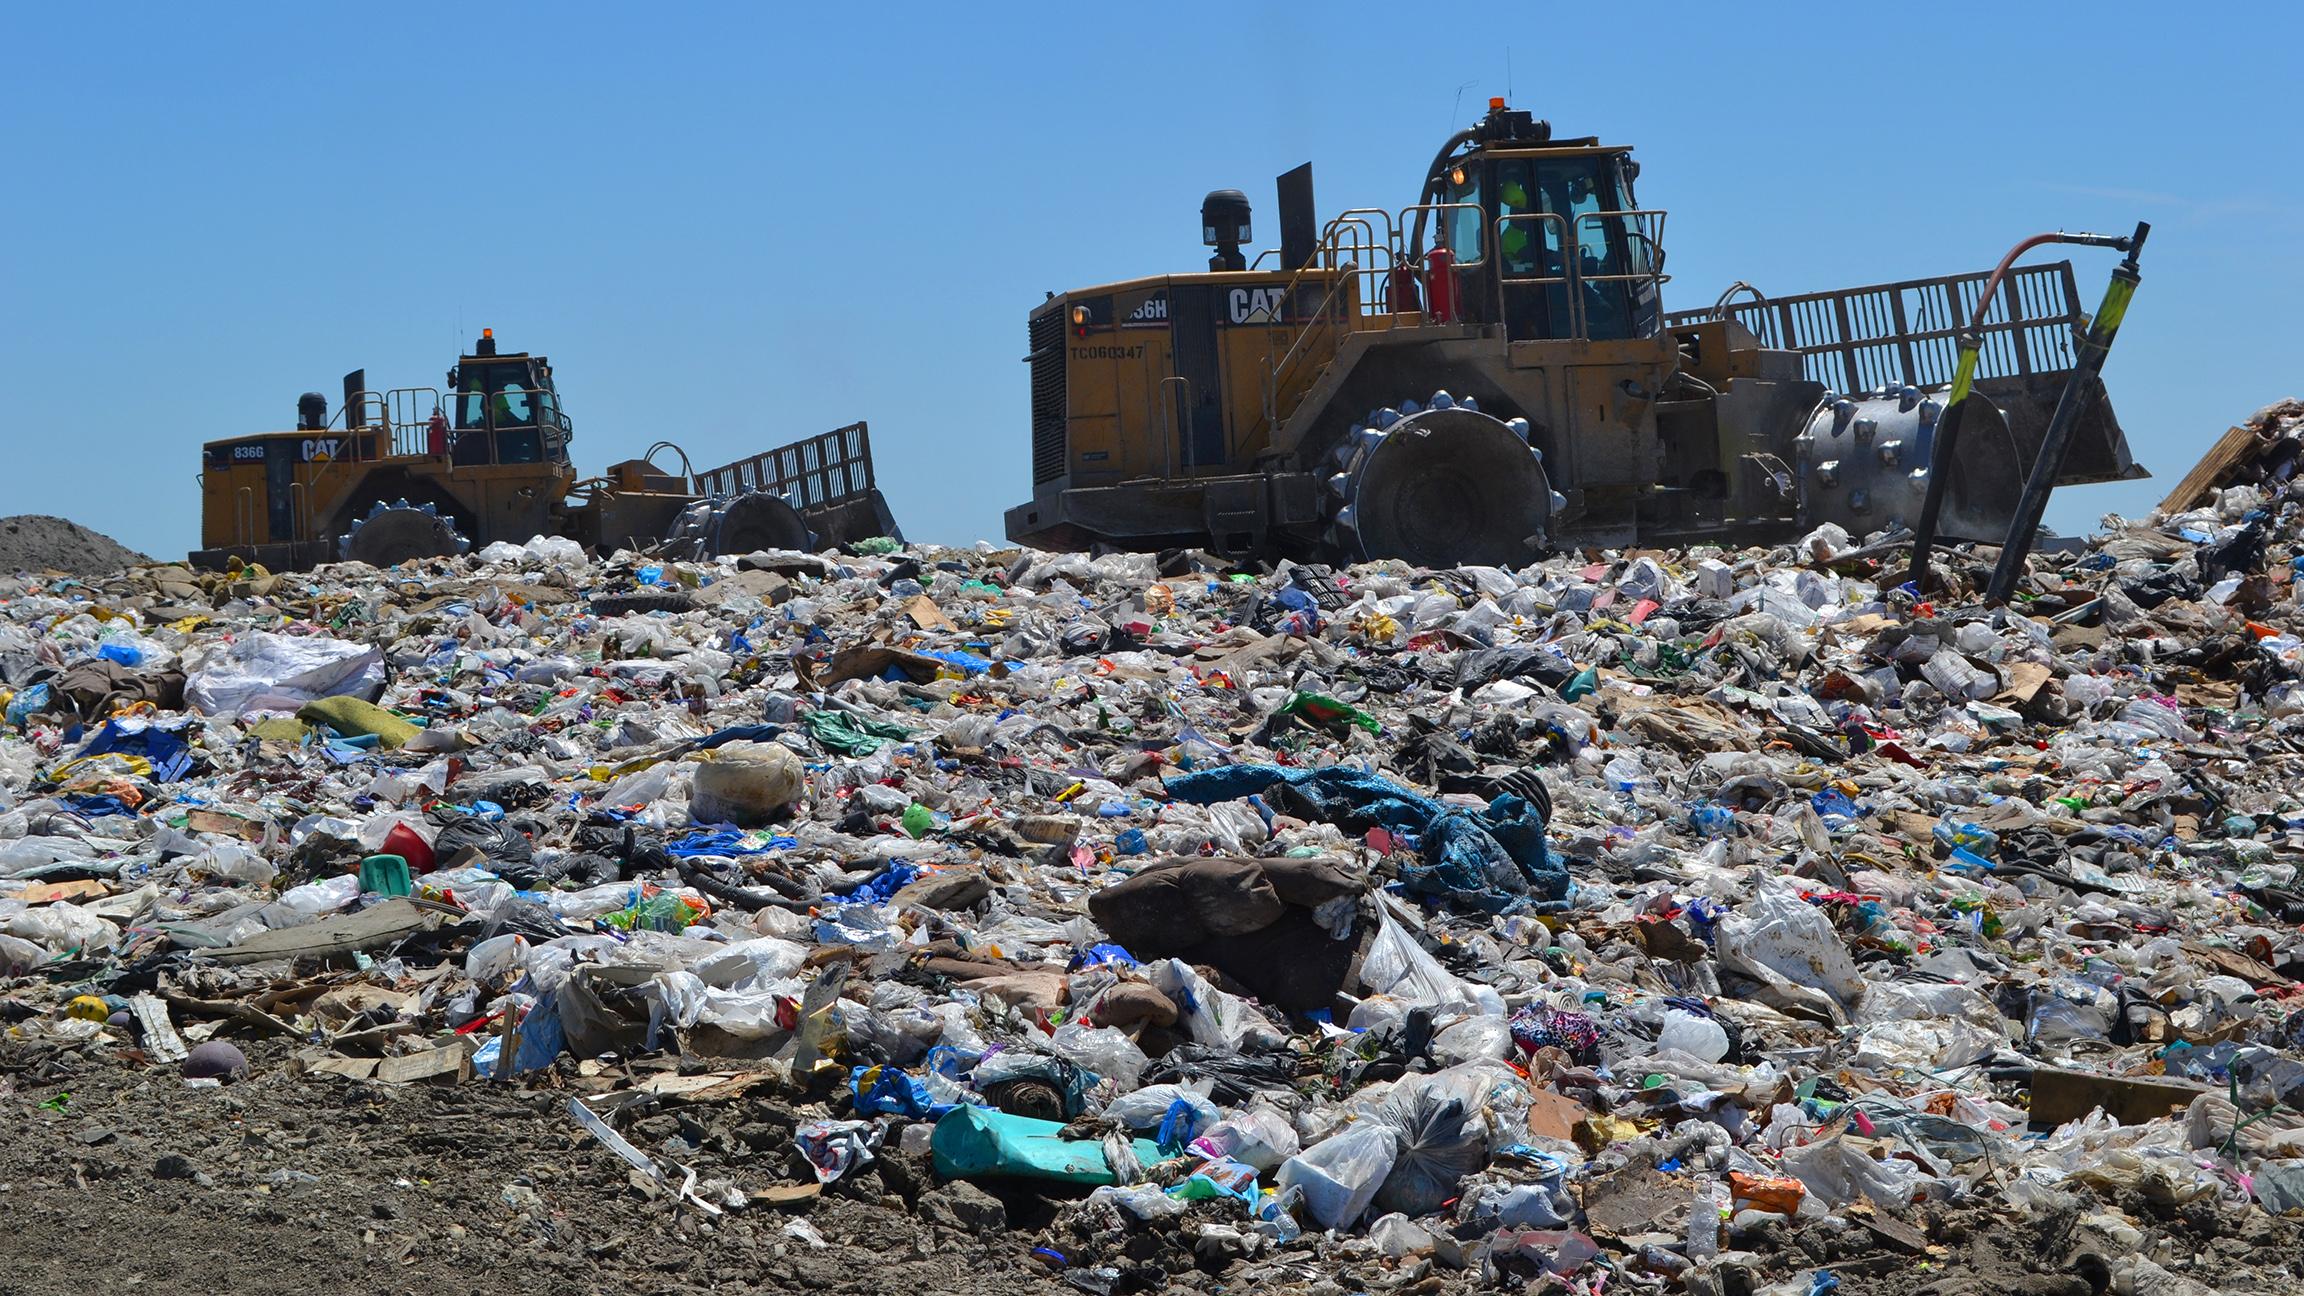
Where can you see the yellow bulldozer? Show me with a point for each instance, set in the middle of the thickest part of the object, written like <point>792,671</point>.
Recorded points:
<point>1490,372</point>
<point>412,472</point>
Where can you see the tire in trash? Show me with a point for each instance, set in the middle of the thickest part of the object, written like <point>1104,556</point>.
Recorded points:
<point>635,604</point>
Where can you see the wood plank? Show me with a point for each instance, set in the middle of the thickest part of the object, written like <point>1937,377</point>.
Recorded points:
<point>379,925</point>
<point>2208,474</point>
<point>449,1060</point>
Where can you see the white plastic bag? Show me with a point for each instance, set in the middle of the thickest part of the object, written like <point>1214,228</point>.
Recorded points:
<point>1208,1015</point>
<point>61,927</point>
<point>1260,1137</point>
<point>1339,1176</point>
<point>19,956</point>
<point>1699,1037</point>
<point>1104,1050</point>
<point>1148,1108</point>
<point>1473,1039</point>
<point>750,964</point>
<point>327,895</point>
<point>1781,932</point>
<point>1836,1174</point>
<point>271,672</point>
<point>1396,965</point>
<point>745,783</point>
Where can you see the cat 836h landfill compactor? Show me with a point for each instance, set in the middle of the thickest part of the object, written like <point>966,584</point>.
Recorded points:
<point>412,472</point>
<point>1490,372</point>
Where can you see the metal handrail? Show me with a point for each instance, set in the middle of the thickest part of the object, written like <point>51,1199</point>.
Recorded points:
<point>1436,208</point>
<point>1560,248</point>
<point>1178,429</point>
<point>1344,275</point>
<point>1655,239</point>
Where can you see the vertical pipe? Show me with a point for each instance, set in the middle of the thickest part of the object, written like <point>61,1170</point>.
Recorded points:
<point>2056,443</point>
<point>1940,460</point>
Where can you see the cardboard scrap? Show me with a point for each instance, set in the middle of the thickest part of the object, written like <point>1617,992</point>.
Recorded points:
<point>2060,1095</point>
<point>1555,1115</point>
<point>40,893</point>
<point>926,615</point>
<point>2024,681</point>
<point>215,821</point>
<point>447,1060</point>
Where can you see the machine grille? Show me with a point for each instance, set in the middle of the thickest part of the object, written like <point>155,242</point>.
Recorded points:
<point>1048,407</point>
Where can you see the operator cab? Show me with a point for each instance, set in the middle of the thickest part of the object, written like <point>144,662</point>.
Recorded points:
<point>1560,247</point>
<point>505,409</point>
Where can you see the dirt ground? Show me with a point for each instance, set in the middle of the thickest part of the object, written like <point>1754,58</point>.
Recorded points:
<point>121,1178</point>
<point>117,1176</point>
<point>32,542</point>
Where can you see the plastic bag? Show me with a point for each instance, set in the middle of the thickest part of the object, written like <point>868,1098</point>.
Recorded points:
<point>1699,1037</point>
<point>1339,1177</point>
<point>1260,1137</point>
<point>1837,1174</point>
<point>1397,1235</point>
<point>1103,1050</point>
<point>62,927</point>
<point>1780,931</point>
<point>19,956</point>
<point>270,672</point>
<point>326,895</point>
<point>1473,1039</point>
<point>1396,965</point>
<point>1443,1138</point>
<point>749,964</point>
<point>745,783</point>
<point>1152,1106</point>
<point>1207,1015</point>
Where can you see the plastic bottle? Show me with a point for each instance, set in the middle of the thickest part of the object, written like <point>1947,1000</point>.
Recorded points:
<point>1704,1221</point>
<point>1624,773</point>
<point>1960,834</point>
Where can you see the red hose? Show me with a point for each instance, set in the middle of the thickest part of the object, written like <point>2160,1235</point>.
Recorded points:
<point>1999,272</point>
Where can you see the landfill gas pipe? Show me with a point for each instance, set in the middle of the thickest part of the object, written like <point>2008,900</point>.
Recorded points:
<point>1971,343</point>
<point>2056,442</point>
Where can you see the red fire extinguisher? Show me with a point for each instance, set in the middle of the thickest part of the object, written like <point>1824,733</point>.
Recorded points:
<point>1407,288</point>
<point>1440,285</point>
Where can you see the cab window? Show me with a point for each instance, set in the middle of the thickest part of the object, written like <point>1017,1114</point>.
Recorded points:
<point>1465,225</point>
<point>1530,247</point>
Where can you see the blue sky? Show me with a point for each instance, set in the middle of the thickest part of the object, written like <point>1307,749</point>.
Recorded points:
<point>730,226</point>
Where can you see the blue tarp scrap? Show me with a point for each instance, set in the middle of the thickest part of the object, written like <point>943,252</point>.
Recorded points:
<point>1494,859</point>
<point>170,757</point>
<point>882,888</point>
<point>968,662</point>
<point>728,843</point>
<point>1101,953</point>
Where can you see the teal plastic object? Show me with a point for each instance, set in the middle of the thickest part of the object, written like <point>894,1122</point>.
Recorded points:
<point>983,1143</point>
<point>386,875</point>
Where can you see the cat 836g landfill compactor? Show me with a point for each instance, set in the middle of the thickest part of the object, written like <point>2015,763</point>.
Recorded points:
<point>412,472</point>
<point>1490,372</point>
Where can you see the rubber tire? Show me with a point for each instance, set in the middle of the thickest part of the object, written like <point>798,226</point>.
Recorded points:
<point>639,602</point>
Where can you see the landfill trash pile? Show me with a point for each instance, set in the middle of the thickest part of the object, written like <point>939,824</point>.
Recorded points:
<point>1724,922</point>
<point>32,542</point>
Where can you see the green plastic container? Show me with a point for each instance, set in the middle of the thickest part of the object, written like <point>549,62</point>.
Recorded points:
<point>386,875</point>
<point>982,1143</point>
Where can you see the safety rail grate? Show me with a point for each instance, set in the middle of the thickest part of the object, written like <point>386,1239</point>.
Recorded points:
<point>812,472</point>
<point>1885,335</point>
